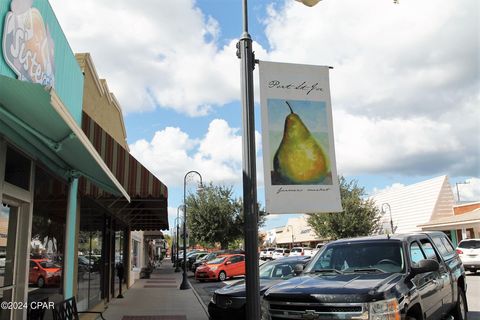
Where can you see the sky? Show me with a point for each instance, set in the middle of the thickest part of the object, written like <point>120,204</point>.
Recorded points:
<point>405,84</point>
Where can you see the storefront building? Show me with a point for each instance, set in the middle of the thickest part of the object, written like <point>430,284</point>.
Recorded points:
<point>70,194</point>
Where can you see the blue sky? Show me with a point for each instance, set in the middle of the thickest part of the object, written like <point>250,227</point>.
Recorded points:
<point>404,86</point>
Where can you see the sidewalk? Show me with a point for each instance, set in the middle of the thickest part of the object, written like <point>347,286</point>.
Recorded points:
<point>157,298</point>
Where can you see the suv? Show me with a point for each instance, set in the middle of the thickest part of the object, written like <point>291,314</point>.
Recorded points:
<point>301,251</point>
<point>267,253</point>
<point>410,276</point>
<point>280,253</point>
<point>469,252</point>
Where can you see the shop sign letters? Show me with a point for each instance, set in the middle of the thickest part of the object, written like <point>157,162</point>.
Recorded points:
<point>28,47</point>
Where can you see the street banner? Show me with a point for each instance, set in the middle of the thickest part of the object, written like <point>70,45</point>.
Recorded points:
<point>297,139</point>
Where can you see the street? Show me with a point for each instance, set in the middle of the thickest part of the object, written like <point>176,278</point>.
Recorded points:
<point>206,289</point>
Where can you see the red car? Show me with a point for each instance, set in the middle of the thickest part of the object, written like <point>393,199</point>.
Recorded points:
<point>44,272</point>
<point>221,268</point>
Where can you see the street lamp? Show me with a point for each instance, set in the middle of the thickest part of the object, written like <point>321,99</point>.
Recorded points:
<point>177,268</point>
<point>185,284</point>
<point>291,229</point>
<point>250,210</point>
<point>458,193</point>
<point>386,205</point>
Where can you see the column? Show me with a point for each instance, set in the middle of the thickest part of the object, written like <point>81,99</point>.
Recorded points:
<point>70,255</point>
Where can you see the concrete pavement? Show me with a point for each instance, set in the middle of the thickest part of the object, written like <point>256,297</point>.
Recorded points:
<point>158,298</point>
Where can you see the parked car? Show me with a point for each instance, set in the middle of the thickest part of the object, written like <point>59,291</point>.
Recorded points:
<point>213,255</point>
<point>280,253</point>
<point>44,272</point>
<point>317,248</point>
<point>469,252</point>
<point>229,301</point>
<point>301,251</point>
<point>221,268</point>
<point>189,254</point>
<point>192,258</point>
<point>267,253</point>
<point>409,276</point>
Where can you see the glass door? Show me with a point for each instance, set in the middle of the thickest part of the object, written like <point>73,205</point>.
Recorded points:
<point>8,232</point>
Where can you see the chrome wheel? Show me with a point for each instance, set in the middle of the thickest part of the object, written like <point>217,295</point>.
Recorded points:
<point>222,276</point>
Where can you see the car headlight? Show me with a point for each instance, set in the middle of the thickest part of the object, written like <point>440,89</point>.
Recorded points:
<point>214,298</point>
<point>265,315</point>
<point>213,268</point>
<point>384,310</point>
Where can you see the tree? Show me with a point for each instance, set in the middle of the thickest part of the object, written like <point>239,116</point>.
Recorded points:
<point>215,216</point>
<point>360,217</point>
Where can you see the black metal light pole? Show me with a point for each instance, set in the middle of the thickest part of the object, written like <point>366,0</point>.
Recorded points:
<point>247,64</point>
<point>458,193</point>
<point>291,228</point>
<point>177,249</point>
<point>185,285</point>
<point>250,209</point>
<point>390,211</point>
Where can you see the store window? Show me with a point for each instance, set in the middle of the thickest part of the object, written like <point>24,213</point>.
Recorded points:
<point>89,271</point>
<point>119,262</point>
<point>45,277</point>
<point>17,169</point>
<point>135,254</point>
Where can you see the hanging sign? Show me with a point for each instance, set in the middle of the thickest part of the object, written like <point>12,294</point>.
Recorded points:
<point>297,139</point>
<point>28,46</point>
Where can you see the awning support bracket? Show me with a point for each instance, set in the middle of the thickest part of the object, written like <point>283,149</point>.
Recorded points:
<point>54,145</point>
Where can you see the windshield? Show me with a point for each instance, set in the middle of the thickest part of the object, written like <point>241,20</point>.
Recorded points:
<point>217,261</point>
<point>359,257</point>
<point>296,250</point>
<point>469,244</point>
<point>49,264</point>
<point>278,269</point>
<point>279,250</point>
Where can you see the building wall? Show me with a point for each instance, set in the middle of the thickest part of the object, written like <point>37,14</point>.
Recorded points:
<point>416,204</point>
<point>99,103</point>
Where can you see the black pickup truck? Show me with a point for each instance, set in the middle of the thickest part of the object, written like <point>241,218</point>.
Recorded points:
<point>409,276</point>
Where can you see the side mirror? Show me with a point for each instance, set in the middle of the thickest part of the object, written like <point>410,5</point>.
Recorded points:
<point>298,269</point>
<point>36,268</point>
<point>425,265</point>
<point>228,262</point>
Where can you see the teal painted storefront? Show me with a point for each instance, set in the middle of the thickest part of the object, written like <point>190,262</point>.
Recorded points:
<point>68,76</point>
<point>43,123</point>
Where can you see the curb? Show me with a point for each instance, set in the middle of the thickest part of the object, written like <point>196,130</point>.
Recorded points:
<point>199,299</point>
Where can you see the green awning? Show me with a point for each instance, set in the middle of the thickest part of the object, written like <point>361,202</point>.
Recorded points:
<point>34,118</point>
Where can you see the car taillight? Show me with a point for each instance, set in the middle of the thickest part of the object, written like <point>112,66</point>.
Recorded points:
<point>303,253</point>
<point>459,251</point>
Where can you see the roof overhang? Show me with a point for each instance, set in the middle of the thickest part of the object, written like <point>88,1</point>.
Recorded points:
<point>148,209</point>
<point>466,220</point>
<point>34,118</point>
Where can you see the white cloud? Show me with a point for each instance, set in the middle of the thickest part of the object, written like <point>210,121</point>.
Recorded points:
<point>404,88</point>
<point>408,146</point>
<point>470,191</point>
<point>392,187</point>
<point>217,156</point>
<point>153,52</point>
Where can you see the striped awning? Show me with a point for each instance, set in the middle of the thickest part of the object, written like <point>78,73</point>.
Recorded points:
<point>148,207</point>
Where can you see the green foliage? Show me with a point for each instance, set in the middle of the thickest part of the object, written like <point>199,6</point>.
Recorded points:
<point>360,217</point>
<point>215,216</point>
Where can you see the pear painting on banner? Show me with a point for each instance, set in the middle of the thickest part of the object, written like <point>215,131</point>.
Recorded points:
<point>297,139</point>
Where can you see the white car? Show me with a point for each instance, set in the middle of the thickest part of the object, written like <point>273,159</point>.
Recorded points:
<point>301,251</point>
<point>267,253</point>
<point>280,253</point>
<point>469,252</point>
